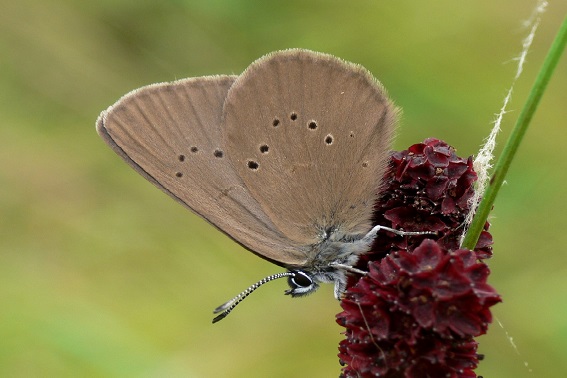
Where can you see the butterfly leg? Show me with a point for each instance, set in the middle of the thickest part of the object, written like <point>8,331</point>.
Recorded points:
<point>348,268</point>
<point>372,233</point>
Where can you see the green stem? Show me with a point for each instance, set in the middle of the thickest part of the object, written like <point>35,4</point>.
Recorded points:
<point>511,147</point>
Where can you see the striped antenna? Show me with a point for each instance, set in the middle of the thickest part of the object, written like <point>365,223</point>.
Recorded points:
<point>227,307</point>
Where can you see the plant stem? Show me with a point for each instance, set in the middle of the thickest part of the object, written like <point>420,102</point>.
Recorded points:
<point>511,147</point>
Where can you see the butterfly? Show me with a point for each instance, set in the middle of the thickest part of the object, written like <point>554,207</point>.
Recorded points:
<point>286,158</point>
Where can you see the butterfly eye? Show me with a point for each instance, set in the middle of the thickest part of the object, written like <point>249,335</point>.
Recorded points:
<point>301,283</point>
<point>301,279</point>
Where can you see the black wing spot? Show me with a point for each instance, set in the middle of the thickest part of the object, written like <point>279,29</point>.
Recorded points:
<point>329,139</point>
<point>293,116</point>
<point>264,148</point>
<point>312,125</point>
<point>181,157</point>
<point>178,174</point>
<point>218,153</point>
<point>253,165</point>
<point>276,122</point>
<point>194,149</point>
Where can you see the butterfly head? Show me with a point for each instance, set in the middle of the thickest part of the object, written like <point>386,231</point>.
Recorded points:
<point>304,282</point>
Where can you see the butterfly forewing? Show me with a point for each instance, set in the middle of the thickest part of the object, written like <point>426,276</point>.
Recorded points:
<point>171,134</point>
<point>309,135</point>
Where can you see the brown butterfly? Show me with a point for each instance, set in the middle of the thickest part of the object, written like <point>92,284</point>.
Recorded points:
<point>286,158</point>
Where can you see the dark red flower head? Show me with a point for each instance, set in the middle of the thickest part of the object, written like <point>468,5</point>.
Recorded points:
<point>416,312</point>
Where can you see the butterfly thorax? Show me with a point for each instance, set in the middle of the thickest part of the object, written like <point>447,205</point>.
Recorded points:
<point>333,257</point>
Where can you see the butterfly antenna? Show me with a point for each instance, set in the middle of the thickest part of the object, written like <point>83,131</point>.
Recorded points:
<point>227,307</point>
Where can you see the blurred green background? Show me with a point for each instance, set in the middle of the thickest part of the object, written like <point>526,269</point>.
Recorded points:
<point>101,275</point>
